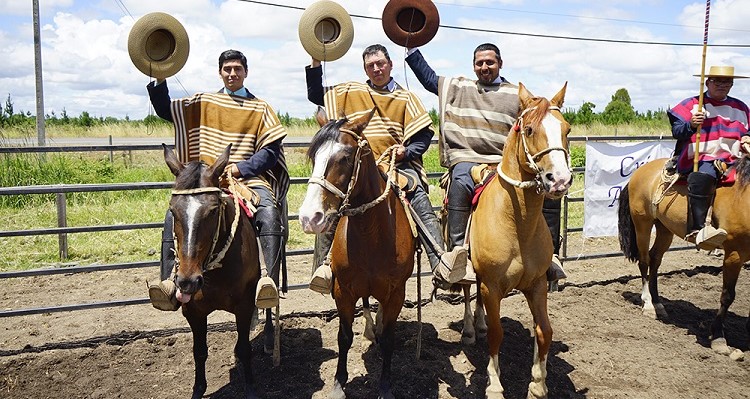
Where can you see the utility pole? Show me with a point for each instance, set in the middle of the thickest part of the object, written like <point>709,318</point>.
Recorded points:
<point>38,72</point>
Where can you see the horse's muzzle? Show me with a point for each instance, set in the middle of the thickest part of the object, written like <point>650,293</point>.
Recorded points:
<point>316,224</point>
<point>189,285</point>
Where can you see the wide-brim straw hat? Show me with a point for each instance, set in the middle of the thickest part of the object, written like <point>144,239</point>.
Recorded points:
<point>722,71</point>
<point>158,45</point>
<point>326,30</point>
<point>410,23</point>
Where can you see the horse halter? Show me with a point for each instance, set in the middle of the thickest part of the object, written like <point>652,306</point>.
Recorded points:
<point>213,261</point>
<point>363,148</point>
<point>531,160</point>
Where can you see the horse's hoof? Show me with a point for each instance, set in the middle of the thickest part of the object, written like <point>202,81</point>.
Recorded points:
<point>337,393</point>
<point>719,345</point>
<point>737,355</point>
<point>649,311</point>
<point>537,391</point>
<point>468,339</point>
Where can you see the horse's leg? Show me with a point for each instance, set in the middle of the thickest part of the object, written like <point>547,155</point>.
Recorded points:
<point>662,241</point>
<point>491,300</point>
<point>199,326</point>
<point>268,333</point>
<point>345,306</point>
<point>468,334</point>
<point>389,311</point>
<point>730,273</point>
<point>537,300</point>
<point>369,332</point>
<point>242,350</point>
<point>480,318</point>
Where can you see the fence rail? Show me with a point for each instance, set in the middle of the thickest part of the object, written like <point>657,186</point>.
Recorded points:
<point>61,230</point>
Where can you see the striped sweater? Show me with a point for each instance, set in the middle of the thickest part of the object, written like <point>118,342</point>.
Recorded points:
<point>207,122</point>
<point>399,114</point>
<point>474,120</point>
<point>725,123</point>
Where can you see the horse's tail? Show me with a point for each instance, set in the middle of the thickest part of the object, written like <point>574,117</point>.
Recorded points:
<point>628,243</point>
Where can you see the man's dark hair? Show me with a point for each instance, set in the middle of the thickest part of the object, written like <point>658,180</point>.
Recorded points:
<point>485,47</point>
<point>232,55</point>
<point>373,49</point>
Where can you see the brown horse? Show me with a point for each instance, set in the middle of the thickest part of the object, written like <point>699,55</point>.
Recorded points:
<point>217,263</point>
<point>373,248</point>
<point>644,205</point>
<point>511,247</point>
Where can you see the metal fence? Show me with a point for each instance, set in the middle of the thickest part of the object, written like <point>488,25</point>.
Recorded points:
<point>62,230</point>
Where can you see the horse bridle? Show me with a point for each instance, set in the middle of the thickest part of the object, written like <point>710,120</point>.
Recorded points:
<point>363,148</point>
<point>531,160</point>
<point>213,261</point>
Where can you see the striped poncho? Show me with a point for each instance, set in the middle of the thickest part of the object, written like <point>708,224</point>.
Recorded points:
<point>207,122</point>
<point>399,114</point>
<point>726,122</point>
<point>475,120</point>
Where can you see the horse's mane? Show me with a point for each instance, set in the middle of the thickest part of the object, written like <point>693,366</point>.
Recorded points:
<point>742,168</point>
<point>329,131</point>
<point>537,112</point>
<point>190,177</point>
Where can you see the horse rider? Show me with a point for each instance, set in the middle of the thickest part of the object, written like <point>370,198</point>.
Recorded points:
<point>400,120</point>
<point>257,162</point>
<point>723,124</point>
<point>476,116</point>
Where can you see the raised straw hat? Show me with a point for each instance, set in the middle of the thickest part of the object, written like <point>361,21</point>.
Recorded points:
<point>326,30</point>
<point>158,45</point>
<point>410,23</point>
<point>722,71</point>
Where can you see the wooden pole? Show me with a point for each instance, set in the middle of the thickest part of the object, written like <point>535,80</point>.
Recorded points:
<point>700,95</point>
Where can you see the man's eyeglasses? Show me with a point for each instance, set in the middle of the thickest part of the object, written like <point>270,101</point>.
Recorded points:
<point>722,82</point>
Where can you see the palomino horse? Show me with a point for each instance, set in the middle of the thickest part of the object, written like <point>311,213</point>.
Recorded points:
<point>511,247</point>
<point>644,205</point>
<point>373,249</point>
<point>211,230</point>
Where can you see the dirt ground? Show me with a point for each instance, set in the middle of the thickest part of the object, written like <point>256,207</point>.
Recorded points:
<point>602,346</point>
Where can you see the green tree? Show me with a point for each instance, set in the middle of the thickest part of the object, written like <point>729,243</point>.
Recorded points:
<point>619,110</point>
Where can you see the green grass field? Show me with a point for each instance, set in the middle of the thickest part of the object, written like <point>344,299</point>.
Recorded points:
<point>22,212</point>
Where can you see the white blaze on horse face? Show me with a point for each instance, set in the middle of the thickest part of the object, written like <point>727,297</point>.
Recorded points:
<point>561,175</point>
<point>311,212</point>
<point>191,223</point>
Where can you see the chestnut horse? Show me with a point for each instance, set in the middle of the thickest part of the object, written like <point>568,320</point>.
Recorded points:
<point>373,247</point>
<point>217,262</point>
<point>644,205</point>
<point>510,244</point>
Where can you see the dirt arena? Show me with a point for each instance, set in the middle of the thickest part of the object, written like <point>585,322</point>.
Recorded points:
<point>602,346</point>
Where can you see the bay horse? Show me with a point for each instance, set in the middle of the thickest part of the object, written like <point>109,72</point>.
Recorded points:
<point>373,247</point>
<point>509,241</point>
<point>217,263</point>
<point>644,205</point>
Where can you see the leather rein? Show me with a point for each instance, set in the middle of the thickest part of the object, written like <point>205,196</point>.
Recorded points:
<point>531,160</point>
<point>363,148</point>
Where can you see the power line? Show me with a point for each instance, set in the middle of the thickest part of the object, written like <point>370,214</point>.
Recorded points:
<point>578,38</point>
<point>587,17</point>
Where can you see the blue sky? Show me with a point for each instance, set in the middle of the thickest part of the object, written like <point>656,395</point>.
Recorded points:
<point>87,67</point>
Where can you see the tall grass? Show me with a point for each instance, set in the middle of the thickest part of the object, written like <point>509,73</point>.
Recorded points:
<point>22,212</point>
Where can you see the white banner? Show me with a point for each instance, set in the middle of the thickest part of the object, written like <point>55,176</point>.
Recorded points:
<point>608,169</point>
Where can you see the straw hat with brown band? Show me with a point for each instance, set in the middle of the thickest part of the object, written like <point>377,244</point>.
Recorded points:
<point>326,30</point>
<point>722,71</point>
<point>410,23</point>
<point>158,45</point>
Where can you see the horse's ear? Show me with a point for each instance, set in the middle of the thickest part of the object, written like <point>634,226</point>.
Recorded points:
<point>171,158</point>
<point>524,96</point>
<point>559,98</point>
<point>220,164</point>
<point>320,116</point>
<point>358,125</point>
